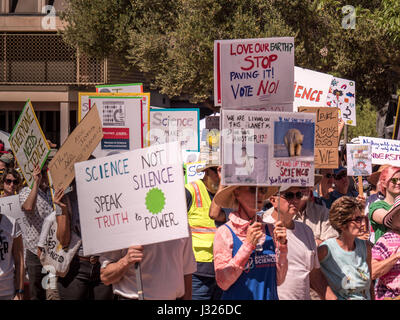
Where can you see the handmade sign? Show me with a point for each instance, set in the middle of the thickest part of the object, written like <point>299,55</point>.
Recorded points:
<point>10,206</point>
<point>132,198</point>
<point>358,160</point>
<point>310,88</point>
<point>120,88</point>
<point>267,148</point>
<point>121,118</point>
<point>190,171</point>
<point>253,72</point>
<point>383,151</point>
<point>168,125</point>
<point>84,107</point>
<point>326,136</point>
<point>78,147</point>
<point>342,94</point>
<point>28,143</point>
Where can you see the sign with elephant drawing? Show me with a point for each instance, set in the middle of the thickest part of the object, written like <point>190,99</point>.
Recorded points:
<point>267,148</point>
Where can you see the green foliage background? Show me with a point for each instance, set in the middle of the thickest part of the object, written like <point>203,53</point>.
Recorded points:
<point>172,41</point>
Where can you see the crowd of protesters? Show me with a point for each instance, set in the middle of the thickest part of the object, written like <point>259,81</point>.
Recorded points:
<point>246,242</point>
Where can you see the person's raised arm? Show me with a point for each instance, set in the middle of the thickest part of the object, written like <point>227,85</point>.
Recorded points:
<point>280,240</point>
<point>30,202</point>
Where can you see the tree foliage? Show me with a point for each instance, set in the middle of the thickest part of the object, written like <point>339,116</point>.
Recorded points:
<point>172,41</point>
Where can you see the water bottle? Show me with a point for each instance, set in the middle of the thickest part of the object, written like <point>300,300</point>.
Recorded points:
<point>259,245</point>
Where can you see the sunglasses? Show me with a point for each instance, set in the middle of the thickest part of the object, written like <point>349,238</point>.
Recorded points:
<point>291,195</point>
<point>262,190</point>
<point>359,219</point>
<point>339,176</point>
<point>329,175</point>
<point>9,181</point>
<point>395,180</point>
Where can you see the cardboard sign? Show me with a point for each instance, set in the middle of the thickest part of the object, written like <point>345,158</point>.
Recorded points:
<point>253,72</point>
<point>310,88</point>
<point>28,143</point>
<point>383,151</point>
<point>121,119</point>
<point>267,148</point>
<point>358,160</point>
<point>191,174</point>
<point>326,136</point>
<point>120,88</point>
<point>84,107</point>
<point>168,125</point>
<point>133,198</point>
<point>78,147</point>
<point>342,95</point>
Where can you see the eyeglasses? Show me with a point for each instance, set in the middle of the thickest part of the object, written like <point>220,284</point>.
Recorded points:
<point>9,181</point>
<point>395,180</point>
<point>291,195</point>
<point>359,219</point>
<point>329,175</point>
<point>340,176</point>
<point>262,190</point>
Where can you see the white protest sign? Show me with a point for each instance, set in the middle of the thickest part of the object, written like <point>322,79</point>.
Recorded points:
<point>120,88</point>
<point>10,206</point>
<point>342,94</point>
<point>310,88</point>
<point>358,160</point>
<point>168,125</point>
<point>253,72</point>
<point>267,148</point>
<point>383,151</point>
<point>191,173</point>
<point>28,143</point>
<point>137,197</point>
<point>121,118</point>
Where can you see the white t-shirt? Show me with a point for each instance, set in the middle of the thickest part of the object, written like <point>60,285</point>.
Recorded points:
<point>9,230</point>
<point>163,268</point>
<point>302,258</point>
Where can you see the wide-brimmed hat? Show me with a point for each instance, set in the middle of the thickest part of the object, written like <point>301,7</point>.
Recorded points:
<point>395,209</point>
<point>226,199</point>
<point>374,177</point>
<point>317,180</point>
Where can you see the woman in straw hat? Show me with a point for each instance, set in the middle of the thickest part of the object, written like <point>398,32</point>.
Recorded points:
<point>242,271</point>
<point>386,256</point>
<point>389,186</point>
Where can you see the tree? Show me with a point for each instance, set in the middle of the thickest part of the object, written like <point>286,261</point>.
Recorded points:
<point>172,41</point>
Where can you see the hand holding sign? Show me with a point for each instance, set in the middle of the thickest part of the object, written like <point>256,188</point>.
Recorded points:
<point>134,255</point>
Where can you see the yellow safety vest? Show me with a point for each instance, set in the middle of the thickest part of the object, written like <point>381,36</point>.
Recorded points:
<point>202,226</point>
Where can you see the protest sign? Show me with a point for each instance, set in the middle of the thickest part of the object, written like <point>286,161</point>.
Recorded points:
<point>253,72</point>
<point>121,118</point>
<point>84,103</point>
<point>11,207</point>
<point>120,88</point>
<point>383,151</point>
<point>28,143</point>
<point>342,95</point>
<point>132,198</point>
<point>310,88</point>
<point>78,147</point>
<point>358,160</point>
<point>190,171</point>
<point>326,136</point>
<point>267,148</point>
<point>168,125</point>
